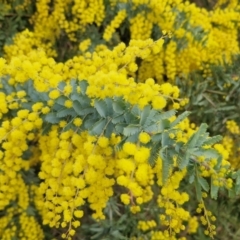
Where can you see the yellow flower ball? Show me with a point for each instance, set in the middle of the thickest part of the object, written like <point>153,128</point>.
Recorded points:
<point>144,137</point>
<point>77,122</point>
<point>68,103</point>
<point>54,94</point>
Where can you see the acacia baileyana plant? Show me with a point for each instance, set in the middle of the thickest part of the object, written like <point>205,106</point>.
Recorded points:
<point>91,143</point>
<point>70,148</point>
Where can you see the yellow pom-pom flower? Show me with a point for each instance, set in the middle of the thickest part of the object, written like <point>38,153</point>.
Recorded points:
<point>77,122</point>
<point>54,94</point>
<point>144,137</point>
<point>68,103</point>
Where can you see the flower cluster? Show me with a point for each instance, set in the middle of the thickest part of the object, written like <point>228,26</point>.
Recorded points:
<point>115,23</point>
<point>78,169</point>
<point>58,165</point>
<point>199,48</point>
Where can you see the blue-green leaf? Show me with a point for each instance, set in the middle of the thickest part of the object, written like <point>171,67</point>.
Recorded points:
<point>61,100</point>
<point>157,137</point>
<point>83,86</point>
<point>75,96</point>
<point>166,115</point>
<point>73,83</point>
<point>88,122</point>
<point>131,118</point>
<point>78,108</point>
<point>119,106</point>
<point>109,103</point>
<point>195,137</point>
<point>203,182</point>
<point>131,129</point>
<point>46,128</point>
<point>118,119</point>
<point>166,140</point>
<point>44,96</point>
<point>198,189</point>
<point>98,127</point>
<point>65,112</point>
<point>135,111</point>
<point>109,130</point>
<point>212,140</point>
<point>214,190</point>
<point>207,153</point>
<point>167,163</point>
<point>119,127</point>
<point>62,85</point>
<point>184,160</point>
<point>52,118</point>
<point>151,118</point>
<point>179,119</point>
<point>144,114</point>
<point>101,107</point>
<point>191,178</point>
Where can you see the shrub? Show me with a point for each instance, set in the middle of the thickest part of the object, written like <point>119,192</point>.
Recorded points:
<point>92,145</point>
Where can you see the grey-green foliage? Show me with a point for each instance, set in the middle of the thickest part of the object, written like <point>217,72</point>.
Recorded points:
<point>114,115</point>
<point>13,20</point>
<point>116,225</point>
<point>213,99</point>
